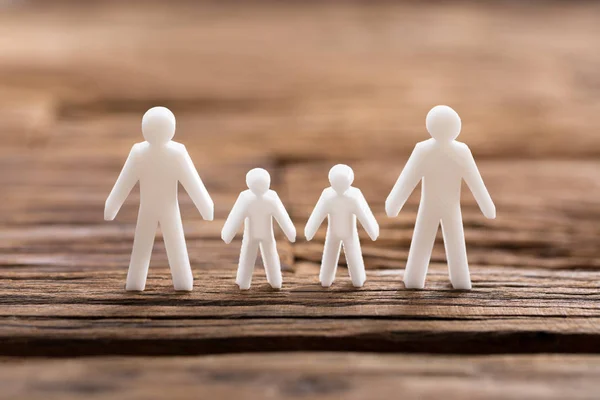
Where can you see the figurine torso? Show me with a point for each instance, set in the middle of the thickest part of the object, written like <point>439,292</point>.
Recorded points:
<point>259,220</point>
<point>442,173</point>
<point>341,213</point>
<point>158,169</point>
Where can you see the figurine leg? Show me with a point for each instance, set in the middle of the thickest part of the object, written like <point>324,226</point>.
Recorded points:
<point>246,266</point>
<point>421,246</point>
<point>268,249</point>
<point>141,253</point>
<point>356,264</point>
<point>456,251</point>
<point>179,261</point>
<point>331,255</point>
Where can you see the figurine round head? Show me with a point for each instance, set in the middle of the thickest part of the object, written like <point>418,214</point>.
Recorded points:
<point>341,177</point>
<point>158,125</point>
<point>258,181</point>
<point>443,123</point>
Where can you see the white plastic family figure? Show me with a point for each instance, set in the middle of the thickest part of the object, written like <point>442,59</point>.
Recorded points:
<point>256,208</point>
<point>342,204</point>
<point>441,162</point>
<point>159,164</point>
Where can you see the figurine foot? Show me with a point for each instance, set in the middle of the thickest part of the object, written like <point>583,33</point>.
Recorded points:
<point>243,287</point>
<point>326,284</point>
<point>276,281</point>
<point>358,278</point>
<point>276,285</point>
<point>462,285</point>
<point>184,288</point>
<point>410,284</point>
<point>359,284</point>
<point>130,287</point>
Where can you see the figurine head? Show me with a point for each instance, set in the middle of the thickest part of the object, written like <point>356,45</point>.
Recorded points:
<point>341,177</point>
<point>258,181</point>
<point>158,125</point>
<point>443,123</point>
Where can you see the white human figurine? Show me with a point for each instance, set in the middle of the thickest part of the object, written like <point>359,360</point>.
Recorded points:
<point>342,204</point>
<point>159,164</point>
<point>256,208</point>
<point>441,162</point>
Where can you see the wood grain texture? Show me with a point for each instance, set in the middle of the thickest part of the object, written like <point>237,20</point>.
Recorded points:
<point>297,87</point>
<point>305,375</point>
<point>511,311</point>
<point>534,271</point>
<point>358,78</point>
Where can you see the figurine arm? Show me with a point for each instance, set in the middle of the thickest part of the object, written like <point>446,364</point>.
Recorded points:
<point>125,182</point>
<point>366,217</point>
<point>235,219</point>
<point>317,217</point>
<point>283,219</point>
<point>476,185</point>
<point>192,183</point>
<point>406,183</point>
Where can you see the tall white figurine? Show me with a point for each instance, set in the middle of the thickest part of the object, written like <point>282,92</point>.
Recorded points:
<point>256,208</point>
<point>342,204</point>
<point>441,162</point>
<point>159,164</point>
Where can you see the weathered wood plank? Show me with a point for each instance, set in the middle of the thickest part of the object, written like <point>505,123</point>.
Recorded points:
<point>499,292</point>
<point>314,375</point>
<point>534,269</point>
<point>510,310</point>
<point>354,87</point>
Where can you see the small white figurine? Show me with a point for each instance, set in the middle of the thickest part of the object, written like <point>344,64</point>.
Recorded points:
<point>256,208</point>
<point>342,204</point>
<point>441,162</point>
<point>159,164</point>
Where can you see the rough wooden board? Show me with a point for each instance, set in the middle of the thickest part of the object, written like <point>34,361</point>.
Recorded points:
<point>354,86</point>
<point>499,293</point>
<point>300,375</point>
<point>510,310</point>
<point>534,271</point>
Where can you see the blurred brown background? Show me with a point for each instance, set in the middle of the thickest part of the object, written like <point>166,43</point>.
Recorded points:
<point>296,87</point>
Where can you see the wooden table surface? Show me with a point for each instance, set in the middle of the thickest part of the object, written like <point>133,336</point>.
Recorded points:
<point>297,87</point>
